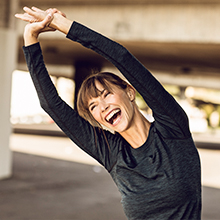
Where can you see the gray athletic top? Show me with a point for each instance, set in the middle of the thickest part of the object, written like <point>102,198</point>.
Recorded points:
<point>159,180</point>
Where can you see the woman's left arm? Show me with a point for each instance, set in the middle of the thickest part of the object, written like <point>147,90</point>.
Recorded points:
<point>166,110</point>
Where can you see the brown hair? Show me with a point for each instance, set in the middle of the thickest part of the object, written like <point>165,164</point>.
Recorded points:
<point>89,90</point>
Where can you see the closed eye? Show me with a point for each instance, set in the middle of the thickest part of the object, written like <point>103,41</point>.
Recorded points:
<point>92,107</point>
<point>106,93</point>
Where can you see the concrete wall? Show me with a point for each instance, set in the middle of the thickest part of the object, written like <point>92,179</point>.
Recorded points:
<point>166,23</point>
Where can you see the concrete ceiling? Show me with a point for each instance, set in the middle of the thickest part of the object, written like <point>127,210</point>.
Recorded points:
<point>93,2</point>
<point>187,58</point>
<point>176,57</point>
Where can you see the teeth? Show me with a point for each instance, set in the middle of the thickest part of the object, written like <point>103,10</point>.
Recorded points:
<point>112,114</point>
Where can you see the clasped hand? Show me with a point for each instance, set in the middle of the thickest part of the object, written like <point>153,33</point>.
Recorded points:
<point>39,21</point>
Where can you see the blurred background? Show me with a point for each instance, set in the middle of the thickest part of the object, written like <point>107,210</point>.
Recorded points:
<point>178,41</point>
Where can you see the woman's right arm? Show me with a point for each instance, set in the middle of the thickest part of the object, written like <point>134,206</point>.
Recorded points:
<point>75,127</point>
<point>65,117</point>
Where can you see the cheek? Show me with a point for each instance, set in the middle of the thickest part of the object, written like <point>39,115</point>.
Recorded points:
<point>127,102</point>
<point>129,108</point>
<point>120,98</point>
<point>96,115</point>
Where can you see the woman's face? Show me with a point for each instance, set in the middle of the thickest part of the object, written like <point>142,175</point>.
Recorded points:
<point>113,109</point>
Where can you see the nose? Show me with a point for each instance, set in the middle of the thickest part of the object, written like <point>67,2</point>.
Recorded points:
<point>103,106</point>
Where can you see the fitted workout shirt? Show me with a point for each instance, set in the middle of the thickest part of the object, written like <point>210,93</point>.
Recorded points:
<point>159,180</point>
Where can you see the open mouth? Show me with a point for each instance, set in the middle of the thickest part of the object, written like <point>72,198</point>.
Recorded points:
<point>112,116</point>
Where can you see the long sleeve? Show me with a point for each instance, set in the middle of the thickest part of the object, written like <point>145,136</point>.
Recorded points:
<point>88,138</point>
<point>165,109</point>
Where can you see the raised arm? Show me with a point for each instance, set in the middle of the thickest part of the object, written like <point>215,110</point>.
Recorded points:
<point>165,109</point>
<point>76,128</point>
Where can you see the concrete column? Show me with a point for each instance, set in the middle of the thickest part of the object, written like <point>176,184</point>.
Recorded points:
<point>82,70</point>
<point>7,65</point>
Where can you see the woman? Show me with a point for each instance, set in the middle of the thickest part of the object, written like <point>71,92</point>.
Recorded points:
<point>155,165</point>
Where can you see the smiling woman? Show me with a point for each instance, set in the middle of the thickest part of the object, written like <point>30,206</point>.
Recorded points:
<point>104,99</point>
<point>155,165</point>
<point>89,91</point>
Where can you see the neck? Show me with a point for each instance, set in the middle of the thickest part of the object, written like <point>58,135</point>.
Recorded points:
<point>137,133</point>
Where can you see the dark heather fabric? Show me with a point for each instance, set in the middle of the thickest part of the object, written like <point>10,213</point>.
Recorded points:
<point>160,179</point>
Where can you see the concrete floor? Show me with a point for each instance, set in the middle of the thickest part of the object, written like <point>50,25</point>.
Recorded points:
<point>48,189</point>
<point>63,183</point>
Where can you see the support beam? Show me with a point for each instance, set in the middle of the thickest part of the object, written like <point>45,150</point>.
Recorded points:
<point>184,80</point>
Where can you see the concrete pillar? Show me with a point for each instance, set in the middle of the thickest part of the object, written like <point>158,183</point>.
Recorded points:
<point>182,95</point>
<point>82,70</point>
<point>7,65</point>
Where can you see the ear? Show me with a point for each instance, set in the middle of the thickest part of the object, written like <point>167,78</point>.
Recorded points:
<point>131,92</point>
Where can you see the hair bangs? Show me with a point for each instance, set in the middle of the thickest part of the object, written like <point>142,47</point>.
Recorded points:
<point>91,91</point>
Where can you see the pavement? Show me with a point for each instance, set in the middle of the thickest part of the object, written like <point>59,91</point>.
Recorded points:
<point>54,180</point>
<point>42,188</point>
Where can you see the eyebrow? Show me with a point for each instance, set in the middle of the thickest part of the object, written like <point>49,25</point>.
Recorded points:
<point>101,92</point>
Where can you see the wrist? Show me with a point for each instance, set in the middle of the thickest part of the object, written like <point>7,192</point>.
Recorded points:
<point>30,38</point>
<point>60,23</point>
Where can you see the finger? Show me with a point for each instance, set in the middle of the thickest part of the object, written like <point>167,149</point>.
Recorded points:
<point>36,9</point>
<point>47,20</point>
<point>25,17</point>
<point>29,11</point>
<point>20,16</point>
<point>54,10</point>
<point>61,13</point>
